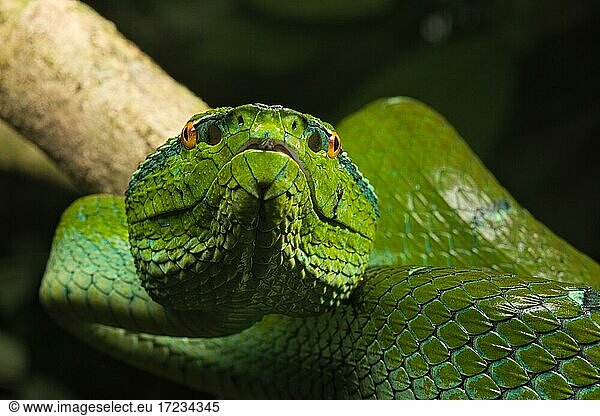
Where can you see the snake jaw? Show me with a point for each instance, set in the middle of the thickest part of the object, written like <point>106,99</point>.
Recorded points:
<point>271,145</point>
<point>255,238</point>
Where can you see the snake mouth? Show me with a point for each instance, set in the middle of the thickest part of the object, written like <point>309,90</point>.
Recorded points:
<point>267,145</point>
<point>270,145</point>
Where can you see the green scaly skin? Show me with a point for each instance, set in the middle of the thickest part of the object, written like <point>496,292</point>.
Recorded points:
<point>253,280</point>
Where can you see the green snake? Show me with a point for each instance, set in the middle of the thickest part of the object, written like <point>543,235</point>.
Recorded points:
<point>250,257</point>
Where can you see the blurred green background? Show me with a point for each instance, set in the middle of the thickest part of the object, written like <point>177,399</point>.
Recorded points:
<point>519,79</point>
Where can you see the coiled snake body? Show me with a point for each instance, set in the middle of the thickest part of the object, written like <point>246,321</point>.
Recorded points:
<point>245,260</point>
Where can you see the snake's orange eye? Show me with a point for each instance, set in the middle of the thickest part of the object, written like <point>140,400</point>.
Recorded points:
<point>335,145</point>
<point>189,135</point>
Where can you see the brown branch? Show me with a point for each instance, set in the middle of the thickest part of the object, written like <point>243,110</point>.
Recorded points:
<point>71,83</point>
<point>22,156</point>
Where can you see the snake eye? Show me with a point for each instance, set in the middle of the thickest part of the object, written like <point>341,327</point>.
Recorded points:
<point>214,135</point>
<point>314,142</point>
<point>189,136</point>
<point>335,145</point>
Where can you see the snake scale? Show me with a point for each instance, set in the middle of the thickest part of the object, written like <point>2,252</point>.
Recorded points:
<point>250,257</point>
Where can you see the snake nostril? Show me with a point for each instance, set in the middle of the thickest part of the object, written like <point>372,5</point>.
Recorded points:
<point>314,142</point>
<point>214,135</point>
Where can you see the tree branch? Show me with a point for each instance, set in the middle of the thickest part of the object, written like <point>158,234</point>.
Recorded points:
<point>72,84</point>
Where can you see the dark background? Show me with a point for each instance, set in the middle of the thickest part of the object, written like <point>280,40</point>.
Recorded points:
<point>519,80</point>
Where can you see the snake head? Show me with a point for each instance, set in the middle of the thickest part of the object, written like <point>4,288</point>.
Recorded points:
<point>254,207</point>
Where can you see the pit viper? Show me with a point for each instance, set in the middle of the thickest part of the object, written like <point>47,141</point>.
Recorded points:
<point>251,257</point>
